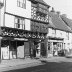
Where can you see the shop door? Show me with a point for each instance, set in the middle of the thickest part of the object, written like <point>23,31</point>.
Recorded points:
<point>43,49</point>
<point>20,49</point>
<point>50,49</point>
<point>12,49</point>
<point>26,49</point>
<point>38,50</point>
<point>5,49</point>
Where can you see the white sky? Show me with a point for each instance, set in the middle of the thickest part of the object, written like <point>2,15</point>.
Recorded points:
<point>64,6</point>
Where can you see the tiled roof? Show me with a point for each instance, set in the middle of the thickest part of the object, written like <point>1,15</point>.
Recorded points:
<point>41,1</point>
<point>67,21</point>
<point>58,22</point>
<point>51,25</point>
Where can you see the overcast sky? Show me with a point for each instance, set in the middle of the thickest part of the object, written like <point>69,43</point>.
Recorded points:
<point>64,6</point>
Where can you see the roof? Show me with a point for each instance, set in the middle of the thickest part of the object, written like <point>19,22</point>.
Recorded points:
<point>51,25</point>
<point>58,22</point>
<point>67,21</point>
<point>42,2</point>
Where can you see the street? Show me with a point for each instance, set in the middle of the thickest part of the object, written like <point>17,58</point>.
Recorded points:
<point>56,65</point>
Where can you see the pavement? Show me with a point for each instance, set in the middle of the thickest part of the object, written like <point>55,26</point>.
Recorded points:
<point>15,62</point>
<point>10,64</point>
<point>28,62</point>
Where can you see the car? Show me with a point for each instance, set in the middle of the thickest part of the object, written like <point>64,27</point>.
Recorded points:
<point>61,52</point>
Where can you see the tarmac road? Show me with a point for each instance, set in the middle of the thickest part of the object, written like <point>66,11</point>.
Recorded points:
<point>57,65</point>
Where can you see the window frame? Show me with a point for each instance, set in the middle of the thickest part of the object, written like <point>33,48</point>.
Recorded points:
<point>21,24</point>
<point>23,4</point>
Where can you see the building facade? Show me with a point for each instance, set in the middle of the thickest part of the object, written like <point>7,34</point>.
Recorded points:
<point>59,35</point>
<point>23,29</point>
<point>39,23</point>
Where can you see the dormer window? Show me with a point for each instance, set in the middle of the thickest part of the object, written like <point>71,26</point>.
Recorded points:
<point>21,3</point>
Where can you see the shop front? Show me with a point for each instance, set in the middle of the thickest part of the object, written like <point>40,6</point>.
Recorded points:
<point>20,44</point>
<point>35,48</point>
<point>12,48</point>
<point>54,46</point>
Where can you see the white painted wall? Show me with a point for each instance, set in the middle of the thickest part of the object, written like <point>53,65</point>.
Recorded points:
<point>2,14</point>
<point>9,21</point>
<point>20,51</point>
<point>27,24</point>
<point>58,33</point>
<point>11,7</point>
<point>62,34</point>
<point>51,32</point>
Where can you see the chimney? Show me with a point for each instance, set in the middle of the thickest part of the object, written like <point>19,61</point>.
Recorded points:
<point>52,10</point>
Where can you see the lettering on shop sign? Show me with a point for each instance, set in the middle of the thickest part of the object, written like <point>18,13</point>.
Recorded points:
<point>22,39</point>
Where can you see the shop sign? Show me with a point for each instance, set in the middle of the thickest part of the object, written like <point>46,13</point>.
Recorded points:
<point>21,39</point>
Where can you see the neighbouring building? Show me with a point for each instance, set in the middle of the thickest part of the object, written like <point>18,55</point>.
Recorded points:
<point>59,34</point>
<point>68,23</point>
<point>39,25</point>
<point>23,28</point>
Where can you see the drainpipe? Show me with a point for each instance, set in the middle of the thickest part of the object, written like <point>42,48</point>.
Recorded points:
<point>1,5</point>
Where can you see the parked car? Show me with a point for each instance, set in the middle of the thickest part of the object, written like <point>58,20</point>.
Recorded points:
<point>69,56</point>
<point>61,52</point>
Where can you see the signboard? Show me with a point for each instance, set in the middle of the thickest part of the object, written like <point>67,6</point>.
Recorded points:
<point>21,39</point>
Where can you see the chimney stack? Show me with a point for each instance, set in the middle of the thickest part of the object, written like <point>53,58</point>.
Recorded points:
<point>52,10</point>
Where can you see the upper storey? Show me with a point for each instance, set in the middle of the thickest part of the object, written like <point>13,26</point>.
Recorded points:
<point>39,10</point>
<point>18,7</point>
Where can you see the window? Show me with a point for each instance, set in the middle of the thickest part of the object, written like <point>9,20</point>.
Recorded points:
<point>53,31</point>
<point>67,36</point>
<point>19,23</point>
<point>21,3</point>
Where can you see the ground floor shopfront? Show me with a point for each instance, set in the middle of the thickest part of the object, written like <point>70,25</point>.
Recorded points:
<point>14,45</point>
<point>55,45</point>
<point>15,49</point>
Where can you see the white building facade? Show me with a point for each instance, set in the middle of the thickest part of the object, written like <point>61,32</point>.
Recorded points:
<point>58,38</point>
<point>15,24</point>
<point>23,28</point>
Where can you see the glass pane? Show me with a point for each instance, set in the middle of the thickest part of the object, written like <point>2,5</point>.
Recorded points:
<point>20,26</point>
<point>23,26</point>
<point>18,4</point>
<point>21,4</point>
<point>23,21</point>
<point>16,20</point>
<point>21,1</point>
<point>24,1</point>
<point>20,21</point>
<point>15,25</point>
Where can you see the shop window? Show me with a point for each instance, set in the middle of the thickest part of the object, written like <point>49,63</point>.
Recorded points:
<point>21,3</point>
<point>19,23</point>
